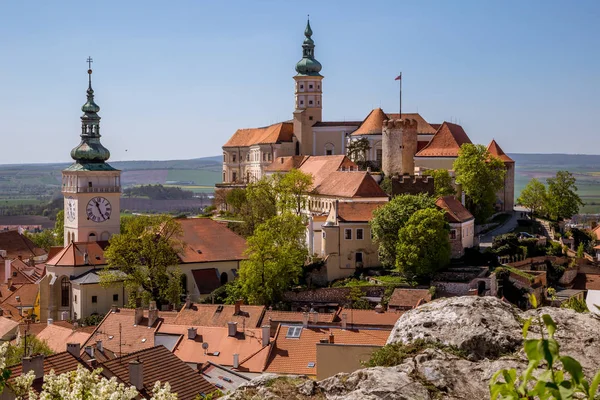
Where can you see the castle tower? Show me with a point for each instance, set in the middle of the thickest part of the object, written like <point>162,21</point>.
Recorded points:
<point>399,146</point>
<point>308,91</point>
<point>91,187</point>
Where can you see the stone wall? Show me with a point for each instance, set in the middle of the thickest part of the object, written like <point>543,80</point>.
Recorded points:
<point>336,295</point>
<point>412,185</point>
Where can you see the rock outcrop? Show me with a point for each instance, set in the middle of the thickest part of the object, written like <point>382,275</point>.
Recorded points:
<point>485,332</point>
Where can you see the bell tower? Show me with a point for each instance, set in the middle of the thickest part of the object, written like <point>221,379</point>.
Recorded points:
<point>90,186</point>
<point>309,93</point>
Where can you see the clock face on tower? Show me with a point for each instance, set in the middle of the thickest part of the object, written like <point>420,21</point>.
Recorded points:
<point>98,209</point>
<point>70,209</point>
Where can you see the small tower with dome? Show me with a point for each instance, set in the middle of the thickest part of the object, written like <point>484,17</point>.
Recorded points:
<point>308,95</point>
<point>91,187</point>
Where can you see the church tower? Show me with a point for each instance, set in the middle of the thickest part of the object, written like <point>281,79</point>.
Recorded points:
<point>91,187</point>
<point>309,91</point>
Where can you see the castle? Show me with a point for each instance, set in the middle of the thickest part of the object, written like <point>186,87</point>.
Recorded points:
<point>398,144</point>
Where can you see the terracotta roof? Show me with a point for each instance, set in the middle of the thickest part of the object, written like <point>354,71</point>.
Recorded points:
<point>295,316</point>
<point>27,294</point>
<point>74,255</point>
<point>246,343</point>
<point>446,142</point>
<point>54,250</point>
<point>357,211</point>
<point>320,167</point>
<point>159,364</point>
<point>227,379</point>
<point>219,315</point>
<point>455,211</point>
<point>7,325</point>
<point>57,336</point>
<point>373,123</point>
<point>20,272</point>
<point>408,298</point>
<point>99,356</point>
<point>35,328</point>
<point>369,317</point>
<point>350,184</point>
<point>293,355</point>
<point>207,279</point>
<point>59,363</point>
<point>495,150</point>
<point>285,164</point>
<point>208,241</point>
<point>12,312</point>
<point>337,123</point>
<point>277,133</point>
<point>17,245</point>
<point>119,333</point>
<point>586,282</point>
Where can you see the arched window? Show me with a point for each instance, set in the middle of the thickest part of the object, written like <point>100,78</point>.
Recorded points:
<point>224,278</point>
<point>92,237</point>
<point>65,289</point>
<point>104,236</point>
<point>329,149</point>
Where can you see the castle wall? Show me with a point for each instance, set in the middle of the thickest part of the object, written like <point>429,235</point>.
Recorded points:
<point>399,144</point>
<point>412,185</point>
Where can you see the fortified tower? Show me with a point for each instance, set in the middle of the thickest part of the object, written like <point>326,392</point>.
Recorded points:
<point>308,91</point>
<point>91,187</point>
<point>399,146</point>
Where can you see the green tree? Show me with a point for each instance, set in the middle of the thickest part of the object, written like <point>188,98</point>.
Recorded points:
<point>386,185</point>
<point>563,200</point>
<point>260,205</point>
<point>276,253</point>
<point>423,245</point>
<point>145,257</point>
<point>480,175</point>
<point>44,239</point>
<point>442,182</point>
<point>28,345</point>
<point>293,188</point>
<point>236,198</point>
<point>358,149</point>
<point>390,218</point>
<point>59,227</point>
<point>533,196</point>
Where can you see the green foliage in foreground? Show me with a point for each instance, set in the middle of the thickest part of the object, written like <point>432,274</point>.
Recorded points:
<point>395,353</point>
<point>562,378</point>
<point>16,352</point>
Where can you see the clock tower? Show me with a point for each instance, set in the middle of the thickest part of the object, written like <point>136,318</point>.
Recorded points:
<point>91,187</point>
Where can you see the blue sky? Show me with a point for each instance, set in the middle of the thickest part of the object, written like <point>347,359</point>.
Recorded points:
<point>175,79</point>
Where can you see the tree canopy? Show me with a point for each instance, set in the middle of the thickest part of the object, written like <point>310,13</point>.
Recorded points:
<point>276,253</point>
<point>442,182</point>
<point>144,256</point>
<point>480,175</point>
<point>390,218</point>
<point>357,150</point>
<point>292,188</point>
<point>533,196</point>
<point>563,200</point>
<point>423,244</point>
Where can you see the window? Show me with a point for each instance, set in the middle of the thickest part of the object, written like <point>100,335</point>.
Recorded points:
<point>247,156</point>
<point>318,86</point>
<point>65,288</point>
<point>115,297</point>
<point>329,149</point>
<point>224,157</point>
<point>233,157</point>
<point>301,86</point>
<point>379,155</point>
<point>348,234</point>
<point>293,332</point>
<point>359,234</point>
<point>94,299</point>
<point>323,234</point>
<point>358,257</point>
<point>89,184</point>
<point>234,177</point>
<point>74,298</point>
<point>224,278</point>
<point>310,118</point>
<point>452,234</point>
<point>301,102</point>
<point>310,86</point>
<point>310,102</point>
<point>328,152</point>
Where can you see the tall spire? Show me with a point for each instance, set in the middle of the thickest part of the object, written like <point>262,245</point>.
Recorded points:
<point>90,150</point>
<point>308,65</point>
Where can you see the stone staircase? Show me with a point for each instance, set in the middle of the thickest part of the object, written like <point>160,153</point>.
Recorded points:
<point>545,228</point>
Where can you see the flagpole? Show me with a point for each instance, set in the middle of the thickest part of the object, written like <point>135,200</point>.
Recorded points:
<point>400,117</point>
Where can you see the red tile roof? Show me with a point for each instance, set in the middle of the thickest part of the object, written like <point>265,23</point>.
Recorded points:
<point>74,255</point>
<point>159,364</point>
<point>293,355</point>
<point>350,184</point>
<point>320,167</point>
<point>277,133</point>
<point>57,336</point>
<point>357,211</point>
<point>17,245</point>
<point>455,211</point>
<point>18,269</point>
<point>408,298</point>
<point>369,317</point>
<point>207,279</point>
<point>208,241</point>
<point>446,142</point>
<point>373,123</point>
<point>219,315</point>
<point>59,363</point>
<point>586,282</point>
<point>495,150</point>
<point>295,316</point>
<point>285,164</point>
<point>27,294</point>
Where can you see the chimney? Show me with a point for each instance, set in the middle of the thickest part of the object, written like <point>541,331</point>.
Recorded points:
<point>331,338</point>
<point>231,328</point>
<point>238,306</point>
<point>99,346</point>
<point>50,321</point>
<point>114,308</point>
<point>136,374</point>
<point>266,335</point>
<point>305,319</point>
<point>152,313</point>
<point>35,364</point>
<point>192,332</point>
<point>337,206</point>
<point>90,351</point>
<point>344,319</point>
<point>188,302</point>
<point>74,349</point>
<point>236,360</point>
<point>64,315</point>
<point>314,316</point>
<point>138,315</point>
<point>379,308</point>
<point>7,270</point>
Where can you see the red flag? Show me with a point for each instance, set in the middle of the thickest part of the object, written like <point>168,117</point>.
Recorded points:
<point>398,77</point>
